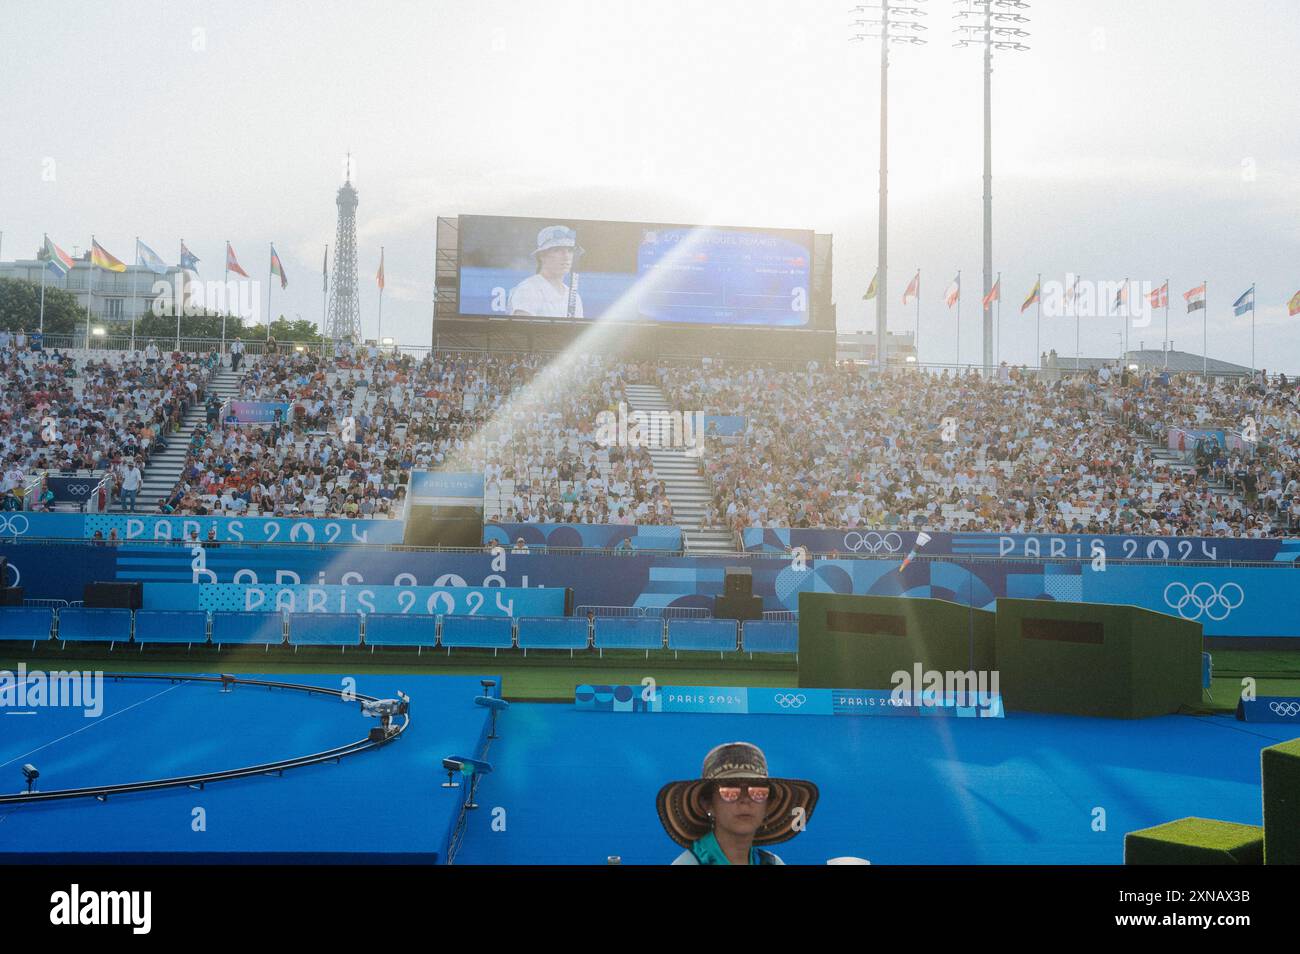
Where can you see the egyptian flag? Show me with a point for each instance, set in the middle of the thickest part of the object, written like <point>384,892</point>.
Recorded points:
<point>1160,297</point>
<point>994,294</point>
<point>101,258</point>
<point>871,289</point>
<point>1033,296</point>
<point>277,268</point>
<point>1195,298</point>
<point>379,278</point>
<point>232,263</point>
<point>56,259</point>
<point>1293,306</point>
<point>913,287</point>
<point>953,294</point>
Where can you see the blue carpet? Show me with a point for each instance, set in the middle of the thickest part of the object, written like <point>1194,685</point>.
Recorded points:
<point>577,787</point>
<point>380,805</point>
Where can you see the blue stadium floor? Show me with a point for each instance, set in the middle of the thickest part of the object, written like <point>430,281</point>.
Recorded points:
<point>580,786</point>
<point>577,787</point>
<point>382,805</point>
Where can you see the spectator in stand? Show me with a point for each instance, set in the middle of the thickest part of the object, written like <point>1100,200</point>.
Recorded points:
<point>131,479</point>
<point>236,354</point>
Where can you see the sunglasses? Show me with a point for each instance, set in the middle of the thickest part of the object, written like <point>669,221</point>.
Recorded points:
<point>731,793</point>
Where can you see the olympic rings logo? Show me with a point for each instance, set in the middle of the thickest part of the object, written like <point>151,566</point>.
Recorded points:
<point>788,700</point>
<point>78,490</point>
<point>872,542</point>
<point>1216,604</point>
<point>1288,710</point>
<point>9,525</point>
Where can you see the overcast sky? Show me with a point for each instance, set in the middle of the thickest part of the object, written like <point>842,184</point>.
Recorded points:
<point>1134,140</point>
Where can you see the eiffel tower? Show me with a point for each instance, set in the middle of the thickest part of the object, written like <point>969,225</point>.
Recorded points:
<point>343,319</point>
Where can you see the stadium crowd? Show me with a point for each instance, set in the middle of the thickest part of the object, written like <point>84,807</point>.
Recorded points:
<point>79,415</point>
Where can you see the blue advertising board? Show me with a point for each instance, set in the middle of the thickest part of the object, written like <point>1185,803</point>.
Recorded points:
<point>1025,546</point>
<point>741,700</point>
<point>584,536</point>
<point>1226,600</point>
<point>413,600</point>
<point>159,527</point>
<point>255,412</point>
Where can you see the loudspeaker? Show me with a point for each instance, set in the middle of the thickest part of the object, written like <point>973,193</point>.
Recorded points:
<point>568,601</point>
<point>4,571</point>
<point>738,607</point>
<point>114,595</point>
<point>11,596</point>
<point>738,581</point>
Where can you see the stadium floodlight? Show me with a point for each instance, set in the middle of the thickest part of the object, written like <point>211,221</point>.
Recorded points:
<point>985,21</point>
<point>889,23</point>
<point>98,331</point>
<point>386,342</point>
<point>30,774</point>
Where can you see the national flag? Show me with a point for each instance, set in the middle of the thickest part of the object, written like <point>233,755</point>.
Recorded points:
<point>1072,290</point>
<point>1293,306</point>
<point>379,278</point>
<point>1160,297</point>
<point>150,259</point>
<point>922,538</point>
<point>56,259</point>
<point>325,271</point>
<point>1121,297</point>
<point>101,258</point>
<point>1195,298</point>
<point>953,295</point>
<point>1245,303</point>
<point>232,263</point>
<point>278,269</point>
<point>1033,296</point>
<point>995,293</point>
<point>871,289</point>
<point>913,287</point>
<point>189,260</point>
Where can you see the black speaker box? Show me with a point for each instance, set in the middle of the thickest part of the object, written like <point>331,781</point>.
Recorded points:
<point>738,581</point>
<point>114,595</point>
<point>738,607</point>
<point>11,596</point>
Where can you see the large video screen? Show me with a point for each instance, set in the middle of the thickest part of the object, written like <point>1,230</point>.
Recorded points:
<point>625,271</point>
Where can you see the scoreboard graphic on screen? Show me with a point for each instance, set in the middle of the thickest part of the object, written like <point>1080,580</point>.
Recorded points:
<point>672,274</point>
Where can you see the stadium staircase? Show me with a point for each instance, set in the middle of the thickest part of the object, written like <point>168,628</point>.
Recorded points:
<point>164,468</point>
<point>687,489</point>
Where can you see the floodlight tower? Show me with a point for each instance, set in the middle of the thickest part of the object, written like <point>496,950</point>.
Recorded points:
<point>989,26</point>
<point>889,23</point>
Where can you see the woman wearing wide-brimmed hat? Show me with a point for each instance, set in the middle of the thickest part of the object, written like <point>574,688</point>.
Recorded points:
<point>545,295</point>
<point>734,807</point>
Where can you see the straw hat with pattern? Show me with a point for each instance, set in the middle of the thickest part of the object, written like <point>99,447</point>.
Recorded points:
<point>684,805</point>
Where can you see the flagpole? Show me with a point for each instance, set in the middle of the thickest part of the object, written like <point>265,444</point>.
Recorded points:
<point>269,284</point>
<point>180,305</point>
<point>135,276</point>
<point>916,344</point>
<point>44,248</point>
<point>959,321</point>
<point>1075,298</point>
<point>1124,315</point>
<point>379,333</point>
<point>90,290</point>
<point>998,352</point>
<point>1166,324</point>
<point>225,281</point>
<point>1205,334</point>
<point>1038,330</point>
<point>324,297</point>
<point>1252,330</point>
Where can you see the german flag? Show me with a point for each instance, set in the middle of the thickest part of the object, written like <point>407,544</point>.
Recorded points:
<point>100,258</point>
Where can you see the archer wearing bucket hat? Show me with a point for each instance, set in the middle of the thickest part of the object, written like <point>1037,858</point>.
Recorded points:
<point>545,295</point>
<point>735,806</point>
